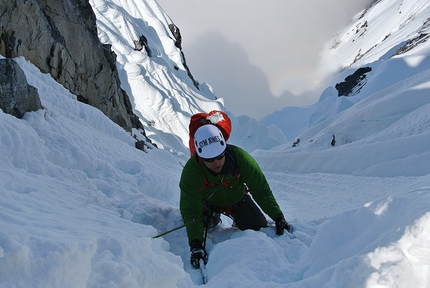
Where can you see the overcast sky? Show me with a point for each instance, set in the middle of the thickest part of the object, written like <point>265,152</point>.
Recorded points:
<point>259,57</point>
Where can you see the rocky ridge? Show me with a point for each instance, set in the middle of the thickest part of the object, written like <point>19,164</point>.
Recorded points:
<point>60,38</point>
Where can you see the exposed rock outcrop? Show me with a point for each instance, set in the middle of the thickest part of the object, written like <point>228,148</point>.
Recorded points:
<point>16,96</point>
<point>353,83</point>
<point>142,42</point>
<point>60,37</point>
<point>178,43</point>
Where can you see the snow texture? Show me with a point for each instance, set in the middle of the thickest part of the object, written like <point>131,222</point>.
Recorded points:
<point>79,205</point>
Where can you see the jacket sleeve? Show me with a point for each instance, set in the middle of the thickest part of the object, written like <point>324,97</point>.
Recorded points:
<point>190,204</point>
<point>253,177</point>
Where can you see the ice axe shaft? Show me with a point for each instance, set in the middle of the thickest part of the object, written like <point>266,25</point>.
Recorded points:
<point>170,231</point>
<point>205,277</point>
<point>174,229</point>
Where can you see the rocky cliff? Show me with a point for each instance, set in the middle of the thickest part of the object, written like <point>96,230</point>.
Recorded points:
<point>16,96</point>
<point>60,37</point>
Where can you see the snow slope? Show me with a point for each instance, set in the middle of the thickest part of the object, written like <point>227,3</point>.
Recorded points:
<point>388,30</point>
<point>79,205</point>
<point>158,84</point>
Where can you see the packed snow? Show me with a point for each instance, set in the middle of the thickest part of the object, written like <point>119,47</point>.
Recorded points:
<point>80,205</point>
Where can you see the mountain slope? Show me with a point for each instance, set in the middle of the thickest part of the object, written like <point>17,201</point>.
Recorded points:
<point>387,29</point>
<point>390,37</point>
<point>163,94</point>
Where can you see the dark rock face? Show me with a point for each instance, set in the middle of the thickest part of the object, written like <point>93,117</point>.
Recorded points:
<point>177,34</point>
<point>60,37</point>
<point>414,42</point>
<point>353,83</point>
<point>16,96</point>
<point>178,43</point>
<point>142,42</point>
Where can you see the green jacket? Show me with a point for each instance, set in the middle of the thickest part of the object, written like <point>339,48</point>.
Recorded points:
<point>193,190</point>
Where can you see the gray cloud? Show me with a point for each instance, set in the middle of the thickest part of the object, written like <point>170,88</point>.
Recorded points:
<point>259,57</point>
<point>244,86</point>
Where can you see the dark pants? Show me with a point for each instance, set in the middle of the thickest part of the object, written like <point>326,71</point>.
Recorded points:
<point>245,214</point>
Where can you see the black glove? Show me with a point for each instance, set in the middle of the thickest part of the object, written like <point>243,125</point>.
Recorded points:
<point>282,224</point>
<point>197,253</point>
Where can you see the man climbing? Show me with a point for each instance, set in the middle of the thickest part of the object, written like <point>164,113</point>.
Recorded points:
<point>219,178</point>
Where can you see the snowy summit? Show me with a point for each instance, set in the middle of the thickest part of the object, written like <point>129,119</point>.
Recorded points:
<point>80,206</point>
